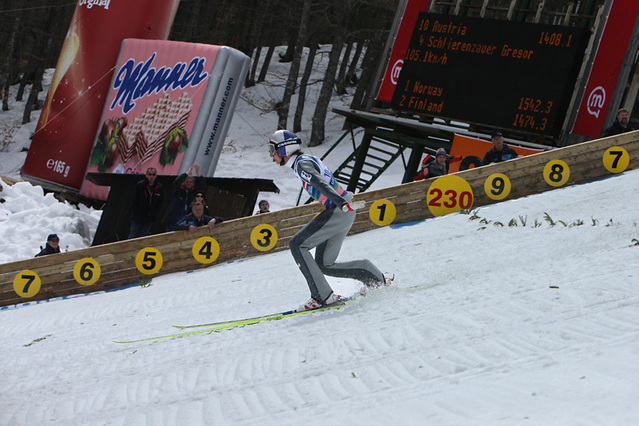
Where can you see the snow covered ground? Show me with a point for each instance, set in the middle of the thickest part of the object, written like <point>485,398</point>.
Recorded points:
<point>500,325</point>
<point>486,324</point>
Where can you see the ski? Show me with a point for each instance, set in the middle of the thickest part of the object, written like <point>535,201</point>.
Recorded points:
<point>216,326</point>
<point>269,317</point>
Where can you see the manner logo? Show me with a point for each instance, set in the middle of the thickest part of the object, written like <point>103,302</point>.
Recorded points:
<point>397,69</point>
<point>136,80</point>
<point>596,101</point>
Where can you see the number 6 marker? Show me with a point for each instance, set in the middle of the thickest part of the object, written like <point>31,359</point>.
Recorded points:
<point>86,271</point>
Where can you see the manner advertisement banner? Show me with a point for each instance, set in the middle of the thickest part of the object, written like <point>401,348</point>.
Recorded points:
<point>605,68</point>
<point>398,53</point>
<point>64,136</point>
<point>162,98</point>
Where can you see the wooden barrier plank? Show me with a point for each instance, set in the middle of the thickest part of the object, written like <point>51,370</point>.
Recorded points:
<point>117,260</point>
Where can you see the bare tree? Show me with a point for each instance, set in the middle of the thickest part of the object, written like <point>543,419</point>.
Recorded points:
<point>340,81</point>
<point>301,97</point>
<point>291,83</point>
<point>321,108</point>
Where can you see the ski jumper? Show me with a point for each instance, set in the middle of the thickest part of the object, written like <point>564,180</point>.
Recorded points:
<point>326,232</point>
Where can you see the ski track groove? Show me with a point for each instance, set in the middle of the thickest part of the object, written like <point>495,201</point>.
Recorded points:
<point>386,355</point>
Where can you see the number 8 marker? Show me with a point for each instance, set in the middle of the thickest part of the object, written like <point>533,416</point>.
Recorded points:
<point>556,173</point>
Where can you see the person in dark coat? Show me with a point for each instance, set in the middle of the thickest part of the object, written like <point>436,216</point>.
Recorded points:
<point>52,246</point>
<point>437,166</point>
<point>264,207</point>
<point>620,125</point>
<point>184,189</point>
<point>499,152</point>
<point>198,197</point>
<point>197,218</point>
<point>147,200</point>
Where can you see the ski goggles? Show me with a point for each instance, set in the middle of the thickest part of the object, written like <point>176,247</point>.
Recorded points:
<point>272,149</point>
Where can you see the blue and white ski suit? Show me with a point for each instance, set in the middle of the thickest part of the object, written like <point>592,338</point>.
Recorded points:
<point>326,232</point>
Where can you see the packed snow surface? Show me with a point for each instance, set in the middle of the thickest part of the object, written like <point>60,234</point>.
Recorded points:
<point>486,323</point>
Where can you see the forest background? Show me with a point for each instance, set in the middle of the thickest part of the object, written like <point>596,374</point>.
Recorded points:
<point>32,33</point>
<point>352,35</point>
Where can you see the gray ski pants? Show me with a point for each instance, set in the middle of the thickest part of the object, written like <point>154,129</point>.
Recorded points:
<point>326,233</point>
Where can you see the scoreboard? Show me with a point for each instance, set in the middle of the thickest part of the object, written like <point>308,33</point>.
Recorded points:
<point>509,75</point>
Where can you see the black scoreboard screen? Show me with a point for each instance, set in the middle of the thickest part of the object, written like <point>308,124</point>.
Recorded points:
<point>508,75</point>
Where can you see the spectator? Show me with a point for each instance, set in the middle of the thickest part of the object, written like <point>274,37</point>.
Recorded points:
<point>499,152</point>
<point>437,166</point>
<point>620,125</point>
<point>264,207</point>
<point>147,200</point>
<point>52,246</point>
<point>197,218</point>
<point>198,197</point>
<point>184,188</point>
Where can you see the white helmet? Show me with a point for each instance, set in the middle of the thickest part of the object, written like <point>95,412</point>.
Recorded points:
<point>284,143</point>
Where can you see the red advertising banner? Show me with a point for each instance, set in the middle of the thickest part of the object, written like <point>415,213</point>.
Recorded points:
<point>402,39</point>
<point>162,96</point>
<point>70,117</point>
<point>605,68</point>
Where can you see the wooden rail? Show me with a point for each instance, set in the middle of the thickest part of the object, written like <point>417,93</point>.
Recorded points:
<point>117,261</point>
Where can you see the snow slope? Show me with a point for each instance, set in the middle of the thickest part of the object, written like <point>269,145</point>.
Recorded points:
<point>486,325</point>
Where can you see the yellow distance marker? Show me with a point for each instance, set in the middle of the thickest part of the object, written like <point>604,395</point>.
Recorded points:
<point>449,194</point>
<point>148,260</point>
<point>27,284</point>
<point>497,186</point>
<point>382,212</point>
<point>206,250</point>
<point>556,173</point>
<point>616,159</point>
<point>86,271</point>
<point>263,237</point>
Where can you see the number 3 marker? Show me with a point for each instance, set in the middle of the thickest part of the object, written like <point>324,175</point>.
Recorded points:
<point>264,237</point>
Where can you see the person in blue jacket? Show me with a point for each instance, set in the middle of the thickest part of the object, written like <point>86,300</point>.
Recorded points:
<point>499,152</point>
<point>197,218</point>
